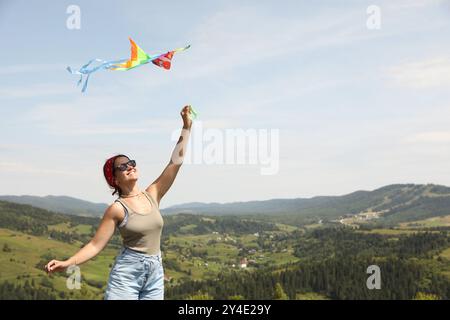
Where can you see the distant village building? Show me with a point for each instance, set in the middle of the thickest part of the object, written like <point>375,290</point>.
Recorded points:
<point>167,278</point>
<point>243,263</point>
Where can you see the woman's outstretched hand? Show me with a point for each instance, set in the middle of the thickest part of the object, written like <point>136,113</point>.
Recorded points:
<point>56,266</point>
<point>185,114</point>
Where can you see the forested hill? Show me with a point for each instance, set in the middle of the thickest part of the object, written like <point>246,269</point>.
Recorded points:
<point>36,221</point>
<point>63,204</point>
<point>397,202</point>
<point>393,203</point>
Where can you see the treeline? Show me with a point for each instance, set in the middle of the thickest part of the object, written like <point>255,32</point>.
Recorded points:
<point>204,225</point>
<point>11,291</point>
<point>35,221</point>
<point>234,225</point>
<point>422,208</point>
<point>323,243</point>
<point>336,278</point>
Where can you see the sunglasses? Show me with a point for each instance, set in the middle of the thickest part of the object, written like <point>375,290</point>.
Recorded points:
<point>124,166</point>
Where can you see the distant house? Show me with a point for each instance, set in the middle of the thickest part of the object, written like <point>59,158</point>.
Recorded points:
<point>167,278</point>
<point>243,263</point>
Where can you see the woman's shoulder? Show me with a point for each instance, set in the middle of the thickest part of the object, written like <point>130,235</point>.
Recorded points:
<point>114,211</point>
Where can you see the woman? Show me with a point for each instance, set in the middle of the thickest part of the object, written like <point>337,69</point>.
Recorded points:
<point>137,273</point>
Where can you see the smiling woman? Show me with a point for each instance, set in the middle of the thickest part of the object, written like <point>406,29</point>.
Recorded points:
<point>138,272</point>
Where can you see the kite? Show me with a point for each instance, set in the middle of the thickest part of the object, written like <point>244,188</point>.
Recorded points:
<point>137,59</point>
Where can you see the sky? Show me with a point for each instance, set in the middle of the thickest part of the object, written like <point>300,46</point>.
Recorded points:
<point>355,105</point>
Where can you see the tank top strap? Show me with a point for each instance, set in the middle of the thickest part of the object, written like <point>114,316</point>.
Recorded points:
<point>150,198</point>
<point>125,219</point>
<point>124,205</point>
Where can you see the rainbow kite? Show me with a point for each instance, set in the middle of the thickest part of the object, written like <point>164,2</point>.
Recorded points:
<point>138,58</point>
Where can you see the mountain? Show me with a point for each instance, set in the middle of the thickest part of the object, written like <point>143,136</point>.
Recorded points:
<point>63,204</point>
<point>394,203</point>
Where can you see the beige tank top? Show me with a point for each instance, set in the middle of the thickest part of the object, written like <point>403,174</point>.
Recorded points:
<point>142,231</point>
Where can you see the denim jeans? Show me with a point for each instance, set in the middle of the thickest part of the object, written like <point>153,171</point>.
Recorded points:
<point>136,276</point>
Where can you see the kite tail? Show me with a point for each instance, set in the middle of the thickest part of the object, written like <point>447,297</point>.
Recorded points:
<point>86,71</point>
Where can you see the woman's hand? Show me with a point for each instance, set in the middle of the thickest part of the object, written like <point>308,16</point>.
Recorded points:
<point>185,113</point>
<point>56,266</point>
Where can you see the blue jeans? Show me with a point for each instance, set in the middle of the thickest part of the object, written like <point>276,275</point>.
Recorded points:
<point>136,276</point>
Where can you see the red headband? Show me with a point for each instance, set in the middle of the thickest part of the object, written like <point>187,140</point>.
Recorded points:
<point>108,170</point>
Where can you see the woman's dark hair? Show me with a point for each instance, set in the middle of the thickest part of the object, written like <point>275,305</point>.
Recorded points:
<point>109,173</point>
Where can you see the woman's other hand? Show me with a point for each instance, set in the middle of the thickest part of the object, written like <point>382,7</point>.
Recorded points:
<point>56,266</point>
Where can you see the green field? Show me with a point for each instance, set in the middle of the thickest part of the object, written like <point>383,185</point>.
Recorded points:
<point>65,227</point>
<point>388,231</point>
<point>27,251</point>
<point>427,223</point>
<point>446,254</point>
<point>310,296</point>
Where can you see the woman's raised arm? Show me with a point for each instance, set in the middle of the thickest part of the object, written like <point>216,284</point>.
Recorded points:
<point>163,183</point>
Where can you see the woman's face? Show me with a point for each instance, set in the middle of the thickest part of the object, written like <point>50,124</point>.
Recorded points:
<point>130,174</point>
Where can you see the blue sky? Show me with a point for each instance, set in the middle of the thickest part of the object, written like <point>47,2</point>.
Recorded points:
<point>355,108</point>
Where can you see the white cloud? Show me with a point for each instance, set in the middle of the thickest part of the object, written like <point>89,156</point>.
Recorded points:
<point>17,167</point>
<point>30,68</point>
<point>430,137</point>
<point>406,4</point>
<point>242,35</point>
<point>72,116</point>
<point>430,73</point>
<point>35,90</point>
